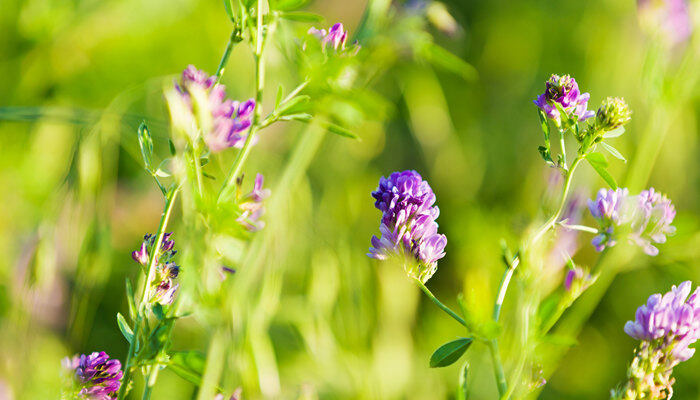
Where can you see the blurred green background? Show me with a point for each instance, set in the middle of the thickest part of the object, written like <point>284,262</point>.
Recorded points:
<point>78,76</point>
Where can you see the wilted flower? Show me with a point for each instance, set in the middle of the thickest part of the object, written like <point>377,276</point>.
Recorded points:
<point>667,324</point>
<point>563,90</point>
<point>408,224</point>
<point>608,209</point>
<point>612,114</point>
<point>251,206</point>
<point>336,36</point>
<point>200,108</point>
<point>95,376</point>
<point>669,18</point>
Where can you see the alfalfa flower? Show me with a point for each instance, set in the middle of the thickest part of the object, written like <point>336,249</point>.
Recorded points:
<point>198,106</point>
<point>652,220</point>
<point>94,376</point>
<point>609,209</point>
<point>252,207</point>
<point>564,92</point>
<point>612,114</point>
<point>408,226</point>
<point>336,36</point>
<point>666,326</point>
<point>164,285</point>
<point>166,251</point>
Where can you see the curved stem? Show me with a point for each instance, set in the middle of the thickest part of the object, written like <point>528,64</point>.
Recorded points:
<point>232,40</point>
<point>562,201</point>
<point>439,304</point>
<point>498,368</point>
<point>160,233</point>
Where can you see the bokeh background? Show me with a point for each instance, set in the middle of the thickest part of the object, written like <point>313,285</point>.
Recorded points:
<point>79,76</point>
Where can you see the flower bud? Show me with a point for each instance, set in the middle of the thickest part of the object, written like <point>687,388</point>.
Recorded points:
<point>612,113</point>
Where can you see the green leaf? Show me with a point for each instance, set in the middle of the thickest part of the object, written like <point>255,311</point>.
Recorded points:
<point>146,145</point>
<point>546,155</point>
<point>449,352</point>
<point>288,107</point>
<point>278,98</point>
<point>544,124</point>
<point>130,299</point>
<point>463,389</point>
<point>615,132</point>
<point>339,130</point>
<point>189,365</point>
<point>301,16</point>
<point>171,147</point>
<point>158,311</point>
<point>297,117</point>
<point>442,58</point>
<point>125,328</point>
<point>288,5</point>
<point>613,151</point>
<point>229,9</point>
<point>600,164</point>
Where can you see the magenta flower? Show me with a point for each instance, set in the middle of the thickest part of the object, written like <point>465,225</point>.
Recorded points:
<point>252,207</point>
<point>336,36</point>
<point>230,120</point>
<point>164,287</point>
<point>564,91</point>
<point>408,224</point>
<point>96,376</point>
<point>608,209</point>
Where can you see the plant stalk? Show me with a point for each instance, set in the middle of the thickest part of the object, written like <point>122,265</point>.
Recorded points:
<point>439,304</point>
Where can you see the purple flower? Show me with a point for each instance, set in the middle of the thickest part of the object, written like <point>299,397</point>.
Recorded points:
<point>652,221</point>
<point>230,120</point>
<point>165,284</point>
<point>408,224</point>
<point>251,206</point>
<point>96,376</point>
<point>609,210</point>
<point>142,255</point>
<point>670,18</point>
<point>577,280</point>
<point>336,36</point>
<point>564,91</point>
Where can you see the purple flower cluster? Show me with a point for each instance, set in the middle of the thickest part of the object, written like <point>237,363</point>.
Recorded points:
<point>222,121</point>
<point>671,18</point>
<point>408,225</point>
<point>96,376</point>
<point>671,321</point>
<point>563,90</point>
<point>252,207</point>
<point>165,284</point>
<point>336,36</point>
<point>647,217</point>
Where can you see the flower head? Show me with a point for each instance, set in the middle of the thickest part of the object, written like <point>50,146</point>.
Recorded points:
<point>666,325</point>
<point>563,90</point>
<point>95,376</point>
<point>652,221</point>
<point>408,224</point>
<point>164,286</point>
<point>612,114</point>
<point>230,120</point>
<point>252,207</point>
<point>336,36</point>
<point>609,210</point>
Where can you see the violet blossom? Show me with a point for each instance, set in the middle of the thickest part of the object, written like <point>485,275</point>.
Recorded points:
<point>95,376</point>
<point>336,36</point>
<point>563,90</point>
<point>252,207</point>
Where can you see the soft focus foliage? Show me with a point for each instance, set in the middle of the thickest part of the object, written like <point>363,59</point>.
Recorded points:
<point>313,316</point>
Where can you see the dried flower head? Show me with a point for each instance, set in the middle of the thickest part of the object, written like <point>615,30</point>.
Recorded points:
<point>94,376</point>
<point>408,226</point>
<point>563,90</point>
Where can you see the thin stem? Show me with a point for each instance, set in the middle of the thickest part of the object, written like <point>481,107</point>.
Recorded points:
<point>439,304</point>
<point>498,368</point>
<point>198,171</point>
<point>582,228</point>
<point>503,288</point>
<point>232,40</point>
<point>562,144</point>
<point>160,233</point>
<point>562,201</point>
<point>237,166</point>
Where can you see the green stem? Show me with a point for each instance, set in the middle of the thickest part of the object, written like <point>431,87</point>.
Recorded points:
<point>232,40</point>
<point>562,202</point>
<point>198,171</point>
<point>230,182</point>
<point>562,144</point>
<point>160,233</point>
<point>439,304</point>
<point>498,368</point>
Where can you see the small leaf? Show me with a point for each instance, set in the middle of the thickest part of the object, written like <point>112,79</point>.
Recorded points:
<point>449,352</point>
<point>615,132</point>
<point>599,164</point>
<point>301,16</point>
<point>613,151</point>
<point>125,328</point>
<point>546,155</point>
<point>288,106</point>
<point>229,9</point>
<point>278,98</point>
<point>171,147</point>
<point>339,130</point>
<point>146,145</point>
<point>158,311</point>
<point>463,389</point>
<point>189,365</point>
<point>544,124</point>
<point>130,299</point>
<point>297,117</point>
